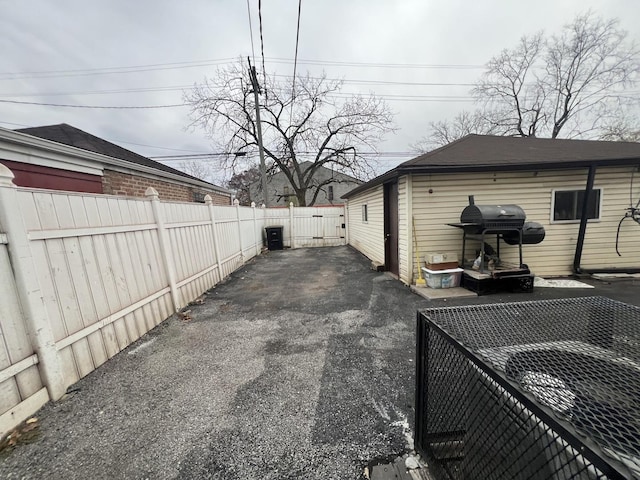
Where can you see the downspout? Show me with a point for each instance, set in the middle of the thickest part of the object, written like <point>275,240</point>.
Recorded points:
<point>577,259</point>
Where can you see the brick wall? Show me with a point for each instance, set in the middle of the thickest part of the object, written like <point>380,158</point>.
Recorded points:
<point>117,183</point>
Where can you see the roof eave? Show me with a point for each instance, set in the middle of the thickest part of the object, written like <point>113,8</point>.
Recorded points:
<point>385,177</point>
<point>105,160</point>
<point>614,162</point>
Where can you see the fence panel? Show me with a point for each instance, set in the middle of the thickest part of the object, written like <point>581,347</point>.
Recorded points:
<point>318,226</point>
<point>279,217</point>
<point>21,389</point>
<point>248,232</point>
<point>97,259</point>
<point>228,238</point>
<point>191,242</point>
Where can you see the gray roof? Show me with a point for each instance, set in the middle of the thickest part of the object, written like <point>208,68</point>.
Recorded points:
<point>494,153</point>
<point>72,136</point>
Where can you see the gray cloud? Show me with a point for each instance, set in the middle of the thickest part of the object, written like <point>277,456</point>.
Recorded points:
<point>78,35</point>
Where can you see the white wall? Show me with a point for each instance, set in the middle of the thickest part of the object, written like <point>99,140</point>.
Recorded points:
<point>367,237</point>
<point>533,192</point>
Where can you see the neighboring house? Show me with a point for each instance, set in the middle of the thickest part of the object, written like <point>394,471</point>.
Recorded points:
<point>62,157</point>
<point>332,185</point>
<point>546,177</point>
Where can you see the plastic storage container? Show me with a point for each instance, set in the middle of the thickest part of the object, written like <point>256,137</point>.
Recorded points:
<point>442,278</point>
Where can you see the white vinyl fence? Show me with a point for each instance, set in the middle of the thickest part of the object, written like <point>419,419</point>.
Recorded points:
<point>82,276</point>
<point>312,226</point>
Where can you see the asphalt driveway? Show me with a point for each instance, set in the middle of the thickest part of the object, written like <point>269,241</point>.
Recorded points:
<point>300,365</point>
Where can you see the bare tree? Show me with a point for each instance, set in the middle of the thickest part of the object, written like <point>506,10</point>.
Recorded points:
<point>574,84</point>
<point>447,131</point>
<point>567,84</point>
<point>315,123</point>
<point>199,169</point>
<point>622,130</point>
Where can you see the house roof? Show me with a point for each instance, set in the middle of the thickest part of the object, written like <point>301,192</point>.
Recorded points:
<point>69,135</point>
<point>494,153</point>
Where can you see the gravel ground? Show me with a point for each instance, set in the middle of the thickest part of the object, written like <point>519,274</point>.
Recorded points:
<point>300,365</point>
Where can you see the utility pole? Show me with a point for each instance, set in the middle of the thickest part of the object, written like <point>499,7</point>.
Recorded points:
<point>263,167</point>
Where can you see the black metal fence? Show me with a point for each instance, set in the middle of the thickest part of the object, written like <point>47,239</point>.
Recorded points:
<point>531,390</point>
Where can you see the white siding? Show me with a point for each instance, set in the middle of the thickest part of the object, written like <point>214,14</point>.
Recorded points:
<point>405,237</point>
<point>368,237</point>
<point>533,192</point>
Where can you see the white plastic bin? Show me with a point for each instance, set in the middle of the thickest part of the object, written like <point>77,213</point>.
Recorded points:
<point>443,278</point>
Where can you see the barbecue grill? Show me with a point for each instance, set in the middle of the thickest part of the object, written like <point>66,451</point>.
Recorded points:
<point>507,222</point>
<point>489,218</point>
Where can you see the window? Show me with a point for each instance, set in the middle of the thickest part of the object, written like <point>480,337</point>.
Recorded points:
<point>365,216</point>
<point>330,194</point>
<point>567,205</point>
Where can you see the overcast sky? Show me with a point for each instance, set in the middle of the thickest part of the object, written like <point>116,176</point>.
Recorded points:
<point>145,53</point>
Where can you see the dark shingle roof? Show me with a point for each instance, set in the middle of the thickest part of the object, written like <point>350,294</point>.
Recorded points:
<point>494,153</point>
<point>72,136</point>
<point>489,150</point>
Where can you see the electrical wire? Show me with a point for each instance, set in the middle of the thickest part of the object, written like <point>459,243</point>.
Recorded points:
<point>178,88</point>
<point>126,107</point>
<point>206,155</point>
<point>264,71</point>
<point>295,57</point>
<point>253,51</point>
<point>220,61</point>
<point>112,70</point>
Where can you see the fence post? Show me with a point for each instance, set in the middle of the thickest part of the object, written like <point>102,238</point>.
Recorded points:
<point>216,248</point>
<point>258,236</point>
<point>291,235</point>
<point>28,287</point>
<point>236,202</point>
<point>165,245</point>
<point>346,222</point>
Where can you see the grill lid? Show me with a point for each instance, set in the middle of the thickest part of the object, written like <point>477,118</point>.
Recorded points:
<point>496,217</point>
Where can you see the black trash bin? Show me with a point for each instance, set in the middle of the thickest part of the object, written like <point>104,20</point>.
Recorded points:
<point>274,238</point>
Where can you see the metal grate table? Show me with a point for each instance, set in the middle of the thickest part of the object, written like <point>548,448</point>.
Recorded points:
<point>537,390</point>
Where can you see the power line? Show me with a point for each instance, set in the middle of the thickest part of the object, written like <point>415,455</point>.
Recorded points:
<point>126,107</point>
<point>386,82</point>
<point>195,155</point>
<point>15,124</point>
<point>377,65</point>
<point>150,146</point>
<point>182,87</point>
<point>264,71</point>
<point>177,88</point>
<point>295,57</point>
<point>206,156</point>
<point>110,70</point>
<point>174,88</point>
<point>253,51</point>
<point>211,62</point>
